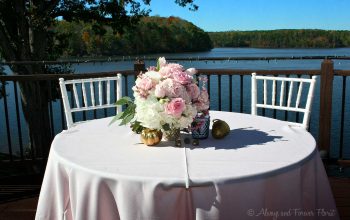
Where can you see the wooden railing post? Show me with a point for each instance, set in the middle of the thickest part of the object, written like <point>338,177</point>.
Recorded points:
<point>324,137</point>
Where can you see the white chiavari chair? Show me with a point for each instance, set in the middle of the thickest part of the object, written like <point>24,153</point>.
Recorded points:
<point>287,100</point>
<point>93,94</point>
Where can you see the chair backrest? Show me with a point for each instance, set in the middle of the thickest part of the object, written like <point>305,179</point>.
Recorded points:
<point>293,101</point>
<point>96,94</point>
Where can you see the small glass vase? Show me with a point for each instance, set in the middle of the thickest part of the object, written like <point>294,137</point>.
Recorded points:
<point>200,127</point>
<point>171,135</point>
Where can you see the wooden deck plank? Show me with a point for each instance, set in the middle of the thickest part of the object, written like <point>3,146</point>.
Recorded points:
<point>23,209</point>
<point>341,192</point>
<point>16,192</point>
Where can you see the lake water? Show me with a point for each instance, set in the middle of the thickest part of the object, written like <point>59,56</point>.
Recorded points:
<point>227,64</point>
<point>236,52</point>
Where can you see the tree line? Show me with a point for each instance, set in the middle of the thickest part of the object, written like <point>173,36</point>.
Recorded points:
<point>150,35</point>
<point>175,35</point>
<point>305,38</point>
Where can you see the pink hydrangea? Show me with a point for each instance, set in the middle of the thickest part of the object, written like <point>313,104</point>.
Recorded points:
<point>175,107</point>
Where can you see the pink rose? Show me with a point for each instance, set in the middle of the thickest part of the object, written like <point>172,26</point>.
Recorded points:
<point>182,78</point>
<point>193,91</point>
<point>175,107</point>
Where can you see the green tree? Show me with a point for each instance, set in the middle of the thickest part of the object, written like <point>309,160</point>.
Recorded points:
<point>26,33</point>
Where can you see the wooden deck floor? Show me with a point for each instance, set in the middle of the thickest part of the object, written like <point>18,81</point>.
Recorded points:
<point>24,209</point>
<point>341,192</point>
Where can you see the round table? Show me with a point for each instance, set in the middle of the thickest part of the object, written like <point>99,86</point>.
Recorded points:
<point>263,167</point>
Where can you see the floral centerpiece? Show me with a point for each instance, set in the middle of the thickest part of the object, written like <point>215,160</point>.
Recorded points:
<point>167,98</point>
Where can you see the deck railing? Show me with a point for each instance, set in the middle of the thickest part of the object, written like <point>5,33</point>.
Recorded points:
<point>17,137</point>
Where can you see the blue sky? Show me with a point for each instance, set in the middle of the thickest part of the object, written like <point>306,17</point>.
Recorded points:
<point>225,15</point>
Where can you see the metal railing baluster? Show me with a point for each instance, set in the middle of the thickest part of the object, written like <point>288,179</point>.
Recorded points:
<point>19,127</point>
<point>63,124</point>
<point>50,108</point>
<point>8,131</point>
<point>219,92</point>
<point>241,93</point>
<point>230,92</point>
<point>341,138</point>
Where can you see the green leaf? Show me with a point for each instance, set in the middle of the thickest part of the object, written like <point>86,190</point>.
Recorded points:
<point>128,114</point>
<point>129,110</point>
<point>124,100</point>
<point>127,119</point>
<point>115,118</point>
<point>136,127</point>
<point>119,115</point>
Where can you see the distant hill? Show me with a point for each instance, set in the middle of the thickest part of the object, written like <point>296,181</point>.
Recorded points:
<point>304,38</point>
<point>151,35</point>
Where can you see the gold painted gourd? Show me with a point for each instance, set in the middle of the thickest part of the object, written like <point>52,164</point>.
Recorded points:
<point>151,137</point>
<point>220,129</point>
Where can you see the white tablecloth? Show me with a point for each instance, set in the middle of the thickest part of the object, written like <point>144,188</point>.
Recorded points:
<point>264,169</point>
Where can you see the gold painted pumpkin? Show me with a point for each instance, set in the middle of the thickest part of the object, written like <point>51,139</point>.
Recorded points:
<point>151,137</point>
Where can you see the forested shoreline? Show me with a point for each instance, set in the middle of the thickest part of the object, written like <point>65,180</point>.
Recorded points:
<point>175,35</point>
<point>150,35</point>
<point>303,38</point>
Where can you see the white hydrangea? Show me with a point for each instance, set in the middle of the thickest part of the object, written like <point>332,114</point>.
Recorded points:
<point>155,76</point>
<point>147,112</point>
